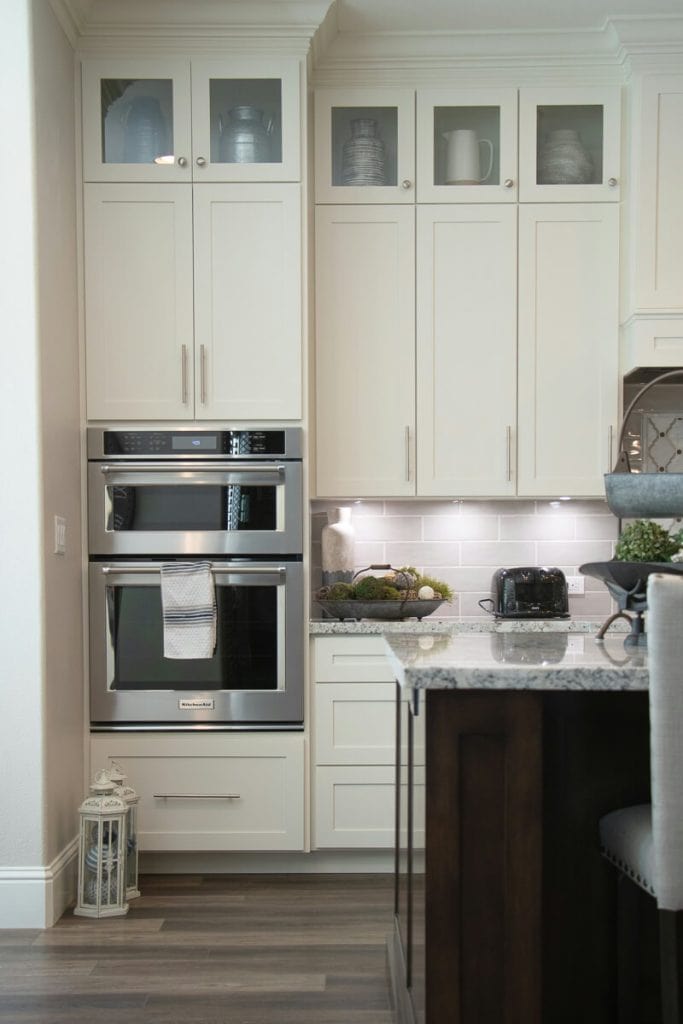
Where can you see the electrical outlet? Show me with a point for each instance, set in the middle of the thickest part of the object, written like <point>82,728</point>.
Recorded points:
<point>60,535</point>
<point>575,584</point>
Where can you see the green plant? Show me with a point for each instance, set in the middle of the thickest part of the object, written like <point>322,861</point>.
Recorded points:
<point>646,541</point>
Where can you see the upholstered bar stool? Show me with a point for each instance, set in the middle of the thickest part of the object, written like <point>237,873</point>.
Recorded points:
<point>646,842</point>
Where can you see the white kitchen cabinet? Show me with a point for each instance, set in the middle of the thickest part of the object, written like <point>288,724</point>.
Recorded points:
<point>657,207</point>
<point>568,347</point>
<point>172,119</point>
<point>467,145</point>
<point>138,301</point>
<point>354,743</point>
<point>193,301</point>
<point>569,144</point>
<point>506,404</point>
<point>365,350</point>
<point>247,286</point>
<point>365,146</point>
<point>466,349</point>
<point>199,791</point>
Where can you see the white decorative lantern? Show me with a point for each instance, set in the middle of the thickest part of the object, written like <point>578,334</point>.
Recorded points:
<point>101,852</point>
<point>130,798</point>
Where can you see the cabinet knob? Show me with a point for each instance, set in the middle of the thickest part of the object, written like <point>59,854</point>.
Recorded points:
<point>508,183</point>
<point>406,184</point>
<point>182,161</point>
<point>200,161</point>
<point>612,182</point>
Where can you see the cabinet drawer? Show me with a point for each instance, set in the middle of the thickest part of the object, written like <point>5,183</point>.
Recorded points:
<point>354,806</point>
<point>353,659</point>
<point>199,792</point>
<point>355,723</point>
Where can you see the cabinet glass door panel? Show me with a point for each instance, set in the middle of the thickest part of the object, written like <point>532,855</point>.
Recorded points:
<point>136,121</point>
<point>245,120</point>
<point>364,146</point>
<point>467,145</point>
<point>569,144</point>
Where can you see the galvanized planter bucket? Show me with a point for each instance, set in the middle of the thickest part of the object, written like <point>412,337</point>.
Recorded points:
<point>643,495</point>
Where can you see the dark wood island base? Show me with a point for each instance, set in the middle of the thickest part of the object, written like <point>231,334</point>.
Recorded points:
<point>505,910</point>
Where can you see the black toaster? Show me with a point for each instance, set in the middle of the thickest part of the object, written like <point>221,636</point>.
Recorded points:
<point>528,592</point>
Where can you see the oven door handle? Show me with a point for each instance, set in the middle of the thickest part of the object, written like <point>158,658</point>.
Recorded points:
<point>245,570</point>
<point>184,467</point>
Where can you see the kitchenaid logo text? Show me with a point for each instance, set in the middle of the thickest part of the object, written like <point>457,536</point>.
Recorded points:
<point>192,705</point>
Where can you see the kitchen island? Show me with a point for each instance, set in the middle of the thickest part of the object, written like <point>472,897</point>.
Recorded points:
<point>505,910</point>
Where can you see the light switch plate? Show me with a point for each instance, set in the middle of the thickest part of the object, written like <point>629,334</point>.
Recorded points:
<point>60,535</point>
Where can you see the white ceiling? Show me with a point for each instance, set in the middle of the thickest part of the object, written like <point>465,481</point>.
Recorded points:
<point>360,16</point>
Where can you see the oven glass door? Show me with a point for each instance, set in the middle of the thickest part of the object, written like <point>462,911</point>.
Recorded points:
<point>190,508</point>
<point>254,676</point>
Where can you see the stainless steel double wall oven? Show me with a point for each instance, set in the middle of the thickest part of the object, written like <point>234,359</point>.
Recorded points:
<point>234,498</point>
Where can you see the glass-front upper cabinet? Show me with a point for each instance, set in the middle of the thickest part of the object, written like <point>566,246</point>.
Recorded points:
<point>569,144</point>
<point>136,120</point>
<point>365,146</point>
<point>176,120</point>
<point>467,145</point>
<point>245,120</point>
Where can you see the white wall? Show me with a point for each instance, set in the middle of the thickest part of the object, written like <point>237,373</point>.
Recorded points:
<point>22,840</point>
<point>53,77</point>
<point>41,722</point>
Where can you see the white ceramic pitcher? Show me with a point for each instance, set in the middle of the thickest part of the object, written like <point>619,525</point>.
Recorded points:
<point>463,165</point>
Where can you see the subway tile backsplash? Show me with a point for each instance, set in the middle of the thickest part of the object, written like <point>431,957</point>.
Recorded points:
<point>463,543</point>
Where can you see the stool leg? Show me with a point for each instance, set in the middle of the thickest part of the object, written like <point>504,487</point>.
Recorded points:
<point>671,965</point>
<point>628,951</point>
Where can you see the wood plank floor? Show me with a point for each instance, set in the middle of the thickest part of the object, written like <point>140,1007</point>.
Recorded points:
<point>211,949</point>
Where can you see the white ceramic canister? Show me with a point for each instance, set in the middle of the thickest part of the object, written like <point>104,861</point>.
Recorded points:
<point>338,544</point>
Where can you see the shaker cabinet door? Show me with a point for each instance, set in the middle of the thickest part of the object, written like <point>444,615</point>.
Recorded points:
<point>247,301</point>
<point>365,351</point>
<point>245,119</point>
<point>466,349</point>
<point>136,120</point>
<point>568,347</point>
<point>138,301</point>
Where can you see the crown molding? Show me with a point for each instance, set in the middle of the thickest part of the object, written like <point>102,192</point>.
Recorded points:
<point>152,24</point>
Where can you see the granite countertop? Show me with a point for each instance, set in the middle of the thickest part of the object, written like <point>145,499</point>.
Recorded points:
<point>516,661</point>
<point>432,624</point>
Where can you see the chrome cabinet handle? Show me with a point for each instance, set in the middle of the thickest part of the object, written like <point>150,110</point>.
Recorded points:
<point>407,440</point>
<point>406,184</point>
<point>182,161</point>
<point>183,358</point>
<point>202,374</point>
<point>200,161</point>
<point>508,453</point>
<point>610,433</point>
<point>612,182</point>
<point>196,796</point>
<point>508,183</point>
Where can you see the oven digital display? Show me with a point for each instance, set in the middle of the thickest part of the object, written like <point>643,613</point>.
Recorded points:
<point>194,442</point>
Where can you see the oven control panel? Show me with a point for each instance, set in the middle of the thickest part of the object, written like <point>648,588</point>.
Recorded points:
<point>188,443</point>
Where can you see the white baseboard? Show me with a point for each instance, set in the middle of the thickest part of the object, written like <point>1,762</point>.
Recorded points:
<point>36,897</point>
<point>317,862</point>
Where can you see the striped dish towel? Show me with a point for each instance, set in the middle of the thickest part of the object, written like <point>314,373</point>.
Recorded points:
<point>188,600</point>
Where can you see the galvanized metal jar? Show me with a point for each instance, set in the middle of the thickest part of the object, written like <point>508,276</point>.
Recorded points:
<point>245,136</point>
